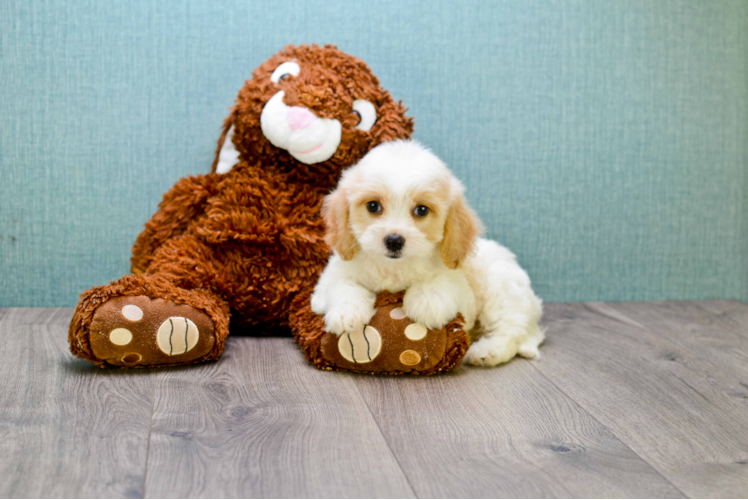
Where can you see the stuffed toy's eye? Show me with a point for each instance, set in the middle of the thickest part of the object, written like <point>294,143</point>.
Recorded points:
<point>421,211</point>
<point>374,207</point>
<point>285,69</point>
<point>366,111</point>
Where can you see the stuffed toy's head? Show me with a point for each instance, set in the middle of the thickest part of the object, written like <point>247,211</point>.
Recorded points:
<point>323,109</point>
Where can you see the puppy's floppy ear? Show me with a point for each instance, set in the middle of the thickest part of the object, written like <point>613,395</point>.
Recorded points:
<point>226,154</point>
<point>335,214</point>
<point>461,229</point>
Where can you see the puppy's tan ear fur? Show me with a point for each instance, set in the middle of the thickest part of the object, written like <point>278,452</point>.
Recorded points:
<point>461,229</point>
<point>338,235</point>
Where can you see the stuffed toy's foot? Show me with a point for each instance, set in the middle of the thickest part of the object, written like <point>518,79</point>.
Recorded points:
<point>138,330</point>
<point>141,321</point>
<point>390,344</point>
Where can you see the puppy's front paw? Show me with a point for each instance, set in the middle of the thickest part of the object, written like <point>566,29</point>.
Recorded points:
<point>432,308</point>
<point>348,318</point>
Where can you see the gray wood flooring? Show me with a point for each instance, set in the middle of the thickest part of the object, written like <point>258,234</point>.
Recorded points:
<point>644,399</point>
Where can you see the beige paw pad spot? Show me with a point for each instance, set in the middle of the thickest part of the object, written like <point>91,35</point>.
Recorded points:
<point>177,335</point>
<point>410,358</point>
<point>397,313</point>
<point>132,312</point>
<point>131,358</point>
<point>362,346</point>
<point>415,331</point>
<point>120,336</point>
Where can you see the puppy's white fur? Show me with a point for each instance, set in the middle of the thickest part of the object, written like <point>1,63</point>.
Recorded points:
<point>443,266</point>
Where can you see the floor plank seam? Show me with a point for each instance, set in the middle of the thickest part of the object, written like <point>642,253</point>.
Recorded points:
<point>705,360</point>
<point>674,340</point>
<point>621,440</point>
<point>723,316</point>
<point>384,437</point>
<point>150,432</point>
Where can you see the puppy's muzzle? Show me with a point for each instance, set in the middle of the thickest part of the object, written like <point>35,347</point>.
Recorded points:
<point>394,244</point>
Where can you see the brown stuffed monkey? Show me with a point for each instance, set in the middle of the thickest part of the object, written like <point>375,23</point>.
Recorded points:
<point>244,244</point>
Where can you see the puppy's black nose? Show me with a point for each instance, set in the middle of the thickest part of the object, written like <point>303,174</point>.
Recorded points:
<point>394,242</point>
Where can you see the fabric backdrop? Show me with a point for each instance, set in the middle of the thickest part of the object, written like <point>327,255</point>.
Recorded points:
<point>605,142</point>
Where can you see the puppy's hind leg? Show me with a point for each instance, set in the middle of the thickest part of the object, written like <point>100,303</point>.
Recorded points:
<point>510,313</point>
<point>498,346</point>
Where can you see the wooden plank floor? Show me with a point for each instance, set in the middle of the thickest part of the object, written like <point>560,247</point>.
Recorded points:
<point>630,400</point>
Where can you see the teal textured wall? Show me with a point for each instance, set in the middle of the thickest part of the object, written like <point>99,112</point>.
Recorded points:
<point>605,142</point>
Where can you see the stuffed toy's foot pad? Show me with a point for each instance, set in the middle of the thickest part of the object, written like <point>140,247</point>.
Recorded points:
<point>360,347</point>
<point>138,331</point>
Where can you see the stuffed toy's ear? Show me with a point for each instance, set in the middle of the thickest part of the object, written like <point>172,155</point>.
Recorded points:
<point>460,232</point>
<point>339,235</point>
<point>226,154</point>
<point>392,124</point>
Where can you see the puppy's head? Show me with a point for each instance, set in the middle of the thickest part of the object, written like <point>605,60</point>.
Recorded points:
<point>400,202</point>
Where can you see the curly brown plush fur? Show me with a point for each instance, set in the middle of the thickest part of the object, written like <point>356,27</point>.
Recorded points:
<point>251,240</point>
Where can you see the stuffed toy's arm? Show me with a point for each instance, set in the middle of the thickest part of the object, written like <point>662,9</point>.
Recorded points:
<point>182,204</point>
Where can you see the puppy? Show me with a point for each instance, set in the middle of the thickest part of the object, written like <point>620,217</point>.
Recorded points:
<point>397,221</point>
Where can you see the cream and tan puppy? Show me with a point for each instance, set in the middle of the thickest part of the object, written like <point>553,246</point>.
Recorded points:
<point>399,221</point>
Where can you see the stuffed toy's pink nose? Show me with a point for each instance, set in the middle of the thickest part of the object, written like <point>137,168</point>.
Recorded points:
<point>299,118</point>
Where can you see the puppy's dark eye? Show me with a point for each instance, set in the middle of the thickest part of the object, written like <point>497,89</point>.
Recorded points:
<point>374,207</point>
<point>421,211</point>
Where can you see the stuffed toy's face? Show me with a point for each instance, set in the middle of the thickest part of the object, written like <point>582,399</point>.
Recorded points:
<point>311,108</point>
